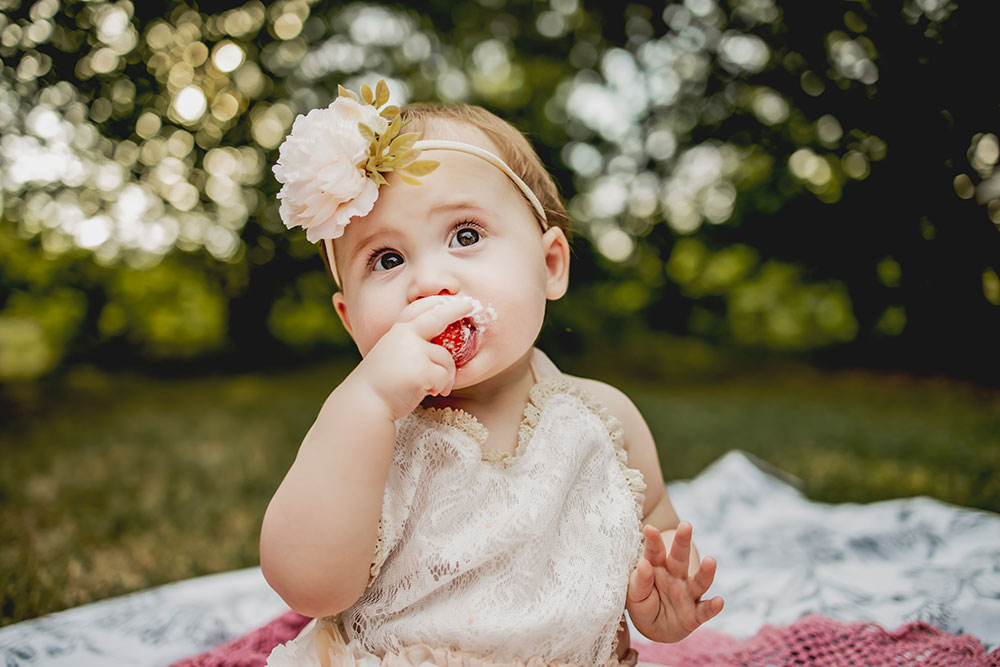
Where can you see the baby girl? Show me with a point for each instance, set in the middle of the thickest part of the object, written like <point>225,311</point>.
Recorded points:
<point>459,500</point>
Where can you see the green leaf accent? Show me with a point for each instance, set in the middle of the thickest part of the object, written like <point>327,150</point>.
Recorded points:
<point>422,167</point>
<point>381,93</point>
<point>366,94</point>
<point>389,151</point>
<point>394,127</point>
<point>344,92</point>
<point>403,143</point>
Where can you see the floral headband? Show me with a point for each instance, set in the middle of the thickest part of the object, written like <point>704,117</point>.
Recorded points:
<point>332,164</point>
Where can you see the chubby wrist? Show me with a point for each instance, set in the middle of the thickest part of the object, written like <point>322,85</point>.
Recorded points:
<point>363,395</point>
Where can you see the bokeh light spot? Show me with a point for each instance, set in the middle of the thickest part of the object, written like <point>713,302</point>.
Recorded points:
<point>225,106</point>
<point>228,56</point>
<point>746,52</point>
<point>812,84</point>
<point>190,103</point>
<point>828,130</point>
<point>104,60</point>
<point>807,166</point>
<point>583,158</point>
<point>180,144</point>
<point>615,244</point>
<point>855,165</point>
<point>892,322</point>
<point>889,272</point>
<point>181,74</point>
<point>991,286</point>
<point>963,186</point>
<point>159,35</point>
<point>148,125</point>
<point>984,153</point>
<point>551,24</point>
<point>195,54</point>
<point>770,107</point>
<point>288,26</point>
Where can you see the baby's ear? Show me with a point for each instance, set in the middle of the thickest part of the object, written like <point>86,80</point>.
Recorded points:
<point>556,248</point>
<point>341,307</point>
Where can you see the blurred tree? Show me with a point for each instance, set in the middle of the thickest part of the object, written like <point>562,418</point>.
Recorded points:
<point>842,139</point>
<point>779,175</point>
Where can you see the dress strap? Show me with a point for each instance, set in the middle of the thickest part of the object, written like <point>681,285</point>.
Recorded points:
<point>542,367</point>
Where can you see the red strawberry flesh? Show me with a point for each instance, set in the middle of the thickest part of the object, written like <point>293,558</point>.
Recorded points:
<point>460,339</point>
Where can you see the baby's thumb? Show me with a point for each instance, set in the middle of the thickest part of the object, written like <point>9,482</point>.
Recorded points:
<point>640,582</point>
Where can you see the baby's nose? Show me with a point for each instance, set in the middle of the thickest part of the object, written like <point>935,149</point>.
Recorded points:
<point>430,276</point>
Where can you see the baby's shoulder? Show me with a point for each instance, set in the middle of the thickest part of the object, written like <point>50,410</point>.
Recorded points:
<point>615,401</point>
<point>611,397</point>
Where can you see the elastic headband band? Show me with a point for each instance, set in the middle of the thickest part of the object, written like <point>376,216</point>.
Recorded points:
<point>461,147</point>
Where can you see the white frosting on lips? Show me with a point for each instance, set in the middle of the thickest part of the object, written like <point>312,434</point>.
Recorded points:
<point>480,315</point>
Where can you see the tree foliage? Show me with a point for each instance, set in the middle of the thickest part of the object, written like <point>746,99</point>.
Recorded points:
<point>791,176</point>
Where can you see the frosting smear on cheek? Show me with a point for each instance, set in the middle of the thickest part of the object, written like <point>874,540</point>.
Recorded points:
<point>463,338</point>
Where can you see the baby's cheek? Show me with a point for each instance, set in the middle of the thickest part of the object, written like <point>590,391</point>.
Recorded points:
<point>369,334</point>
<point>520,324</point>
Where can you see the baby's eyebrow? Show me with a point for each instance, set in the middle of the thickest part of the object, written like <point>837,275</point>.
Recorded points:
<point>357,248</point>
<point>454,206</point>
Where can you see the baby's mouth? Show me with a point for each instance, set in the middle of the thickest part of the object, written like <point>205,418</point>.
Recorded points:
<point>461,339</point>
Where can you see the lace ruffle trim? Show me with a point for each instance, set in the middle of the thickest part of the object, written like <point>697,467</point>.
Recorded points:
<point>459,419</point>
<point>329,634</point>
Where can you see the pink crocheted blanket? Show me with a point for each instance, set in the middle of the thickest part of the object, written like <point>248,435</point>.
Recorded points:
<point>812,640</point>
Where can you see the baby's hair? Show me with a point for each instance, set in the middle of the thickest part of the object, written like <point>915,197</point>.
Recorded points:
<point>512,147</point>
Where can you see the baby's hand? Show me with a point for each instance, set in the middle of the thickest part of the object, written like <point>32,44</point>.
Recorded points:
<point>663,602</point>
<point>404,366</point>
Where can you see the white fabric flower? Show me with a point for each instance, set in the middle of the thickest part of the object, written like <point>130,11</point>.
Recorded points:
<point>299,652</point>
<point>317,164</point>
<point>320,644</point>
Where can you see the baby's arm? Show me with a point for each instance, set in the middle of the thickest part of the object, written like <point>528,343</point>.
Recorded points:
<point>320,528</point>
<point>665,589</point>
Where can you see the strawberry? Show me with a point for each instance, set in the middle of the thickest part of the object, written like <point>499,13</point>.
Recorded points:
<point>458,339</point>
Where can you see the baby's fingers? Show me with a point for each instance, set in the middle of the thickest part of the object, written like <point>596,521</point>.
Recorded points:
<point>640,583</point>
<point>443,373</point>
<point>440,382</point>
<point>702,579</point>
<point>656,551</point>
<point>679,558</point>
<point>432,315</point>
<point>708,609</point>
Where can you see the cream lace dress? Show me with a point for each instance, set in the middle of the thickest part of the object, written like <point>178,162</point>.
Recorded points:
<point>488,559</point>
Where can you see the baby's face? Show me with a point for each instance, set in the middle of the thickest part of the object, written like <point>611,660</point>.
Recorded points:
<point>466,230</point>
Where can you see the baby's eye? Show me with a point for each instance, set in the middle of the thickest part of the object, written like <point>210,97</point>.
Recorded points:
<point>465,237</point>
<point>386,261</point>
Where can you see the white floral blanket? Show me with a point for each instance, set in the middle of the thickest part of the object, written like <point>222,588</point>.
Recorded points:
<point>780,557</point>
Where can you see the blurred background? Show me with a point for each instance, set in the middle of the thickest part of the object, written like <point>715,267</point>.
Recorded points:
<point>787,241</point>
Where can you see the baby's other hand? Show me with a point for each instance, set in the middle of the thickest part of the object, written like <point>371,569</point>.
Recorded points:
<point>663,600</point>
<point>404,366</point>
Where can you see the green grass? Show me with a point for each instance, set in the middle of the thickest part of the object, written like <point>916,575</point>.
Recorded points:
<point>847,437</point>
<point>117,482</point>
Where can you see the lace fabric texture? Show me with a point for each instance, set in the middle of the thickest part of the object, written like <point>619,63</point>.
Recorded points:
<point>506,557</point>
<point>322,644</point>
